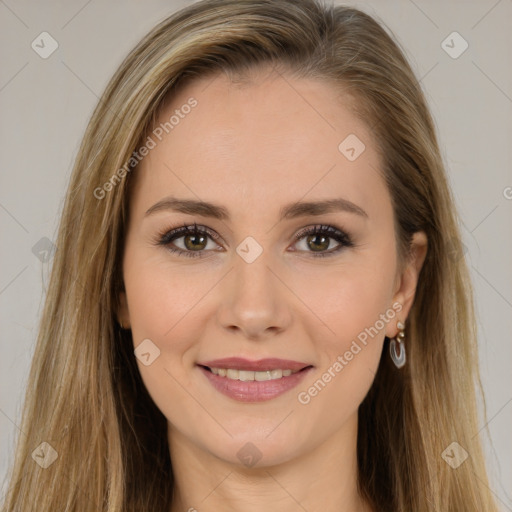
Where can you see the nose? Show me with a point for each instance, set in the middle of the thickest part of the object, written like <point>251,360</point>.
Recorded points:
<point>255,300</point>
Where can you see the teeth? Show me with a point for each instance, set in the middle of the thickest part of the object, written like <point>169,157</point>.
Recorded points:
<point>232,374</point>
<point>247,376</point>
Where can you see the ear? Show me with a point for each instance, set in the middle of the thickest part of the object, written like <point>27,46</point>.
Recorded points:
<point>123,314</point>
<point>407,281</point>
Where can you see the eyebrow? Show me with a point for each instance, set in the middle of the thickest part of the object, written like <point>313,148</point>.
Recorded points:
<point>290,211</point>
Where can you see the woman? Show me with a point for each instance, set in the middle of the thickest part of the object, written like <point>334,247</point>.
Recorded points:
<point>255,303</point>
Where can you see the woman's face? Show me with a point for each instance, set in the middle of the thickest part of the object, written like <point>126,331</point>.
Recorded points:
<point>247,287</point>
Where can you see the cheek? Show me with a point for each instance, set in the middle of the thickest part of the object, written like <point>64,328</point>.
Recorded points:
<point>164,303</point>
<point>161,301</point>
<point>161,297</point>
<point>357,320</point>
<point>349,357</point>
<point>359,305</point>
<point>355,304</point>
<point>350,299</point>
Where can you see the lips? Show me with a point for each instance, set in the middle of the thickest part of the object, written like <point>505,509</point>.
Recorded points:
<point>257,390</point>
<point>239,363</point>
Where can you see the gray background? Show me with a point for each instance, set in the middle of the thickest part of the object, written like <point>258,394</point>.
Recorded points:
<point>46,103</point>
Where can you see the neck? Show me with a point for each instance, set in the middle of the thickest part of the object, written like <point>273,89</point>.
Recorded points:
<point>323,479</point>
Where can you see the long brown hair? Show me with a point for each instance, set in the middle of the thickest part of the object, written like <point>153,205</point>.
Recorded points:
<point>85,397</point>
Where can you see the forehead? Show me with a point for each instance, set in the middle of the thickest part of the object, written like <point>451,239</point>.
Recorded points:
<point>270,140</point>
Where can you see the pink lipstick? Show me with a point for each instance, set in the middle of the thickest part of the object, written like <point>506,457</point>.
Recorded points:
<point>254,381</point>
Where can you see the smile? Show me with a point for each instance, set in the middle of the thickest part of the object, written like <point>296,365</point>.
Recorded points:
<point>246,375</point>
<point>263,380</point>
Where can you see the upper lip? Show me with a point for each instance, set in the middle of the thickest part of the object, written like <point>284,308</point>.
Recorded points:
<point>239,363</point>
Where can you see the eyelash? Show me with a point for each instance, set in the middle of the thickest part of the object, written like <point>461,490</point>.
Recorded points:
<point>169,235</point>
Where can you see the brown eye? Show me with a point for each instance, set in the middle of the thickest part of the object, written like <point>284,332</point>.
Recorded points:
<point>318,242</point>
<point>318,239</point>
<point>195,240</point>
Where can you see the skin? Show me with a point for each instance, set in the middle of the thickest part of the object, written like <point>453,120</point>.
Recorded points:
<point>253,148</point>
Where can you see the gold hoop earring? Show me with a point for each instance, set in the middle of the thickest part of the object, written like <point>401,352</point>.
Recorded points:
<point>398,357</point>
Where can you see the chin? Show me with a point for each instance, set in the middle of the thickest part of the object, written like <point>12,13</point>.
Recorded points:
<point>257,451</point>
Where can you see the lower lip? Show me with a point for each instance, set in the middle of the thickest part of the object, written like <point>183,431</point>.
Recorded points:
<point>254,391</point>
